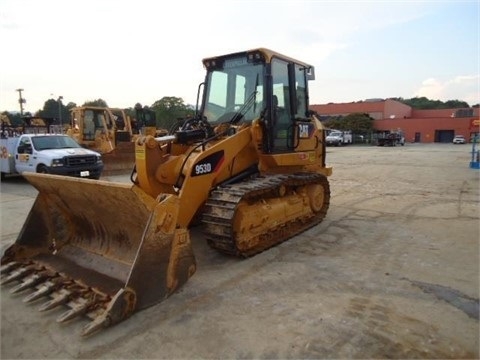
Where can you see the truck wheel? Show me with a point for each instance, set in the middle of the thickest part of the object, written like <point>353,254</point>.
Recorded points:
<point>42,169</point>
<point>2,176</point>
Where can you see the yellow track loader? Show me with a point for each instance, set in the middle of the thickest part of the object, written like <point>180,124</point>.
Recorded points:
<point>250,165</point>
<point>111,132</point>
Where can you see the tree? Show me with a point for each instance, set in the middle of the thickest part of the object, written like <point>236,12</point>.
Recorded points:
<point>456,104</point>
<point>358,123</point>
<point>423,103</point>
<point>98,102</point>
<point>54,109</point>
<point>169,109</point>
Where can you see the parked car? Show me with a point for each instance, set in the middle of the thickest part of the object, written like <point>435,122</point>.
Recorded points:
<point>459,139</point>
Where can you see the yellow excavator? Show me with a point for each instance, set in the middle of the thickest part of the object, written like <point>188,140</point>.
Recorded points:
<point>112,133</point>
<point>249,167</point>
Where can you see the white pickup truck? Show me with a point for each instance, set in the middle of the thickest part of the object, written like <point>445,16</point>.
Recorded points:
<point>48,153</point>
<point>338,138</point>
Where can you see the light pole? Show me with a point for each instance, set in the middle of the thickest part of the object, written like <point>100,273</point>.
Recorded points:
<point>60,111</point>
<point>21,100</point>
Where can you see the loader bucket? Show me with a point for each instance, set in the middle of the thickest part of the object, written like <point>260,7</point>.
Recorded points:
<point>121,160</point>
<point>104,249</point>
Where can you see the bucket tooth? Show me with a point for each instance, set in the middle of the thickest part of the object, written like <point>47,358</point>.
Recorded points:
<point>97,324</point>
<point>16,275</point>
<point>43,290</point>
<point>30,282</point>
<point>118,309</point>
<point>62,297</point>
<point>8,267</point>
<point>77,310</point>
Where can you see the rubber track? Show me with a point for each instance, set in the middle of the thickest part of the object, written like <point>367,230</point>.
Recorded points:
<point>220,208</point>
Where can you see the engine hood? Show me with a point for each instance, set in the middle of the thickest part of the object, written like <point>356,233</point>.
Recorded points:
<point>69,152</point>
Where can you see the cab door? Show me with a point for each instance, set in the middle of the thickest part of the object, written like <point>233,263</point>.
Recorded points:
<point>24,157</point>
<point>292,130</point>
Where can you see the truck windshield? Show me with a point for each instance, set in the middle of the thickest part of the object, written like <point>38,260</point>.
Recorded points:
<point>235,88</point>
<point>53,142</point>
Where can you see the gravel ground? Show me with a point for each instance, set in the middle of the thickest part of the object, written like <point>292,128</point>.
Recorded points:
<point>392,272</point>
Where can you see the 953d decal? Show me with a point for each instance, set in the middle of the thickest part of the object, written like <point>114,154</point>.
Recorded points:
<point>208,165</point>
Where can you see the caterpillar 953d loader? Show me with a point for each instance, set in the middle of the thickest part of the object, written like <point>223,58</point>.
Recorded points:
<point>250,166</point>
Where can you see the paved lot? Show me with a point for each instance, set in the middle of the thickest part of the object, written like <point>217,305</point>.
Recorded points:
<point>393,272</point>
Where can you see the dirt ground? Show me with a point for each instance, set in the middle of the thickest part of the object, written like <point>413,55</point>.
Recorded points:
<point>392,272</point>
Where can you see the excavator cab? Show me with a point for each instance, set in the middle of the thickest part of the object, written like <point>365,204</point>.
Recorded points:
<point>250,165</point>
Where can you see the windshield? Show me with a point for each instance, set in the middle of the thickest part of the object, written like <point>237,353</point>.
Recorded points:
<point>53,142</point>
<point>236,88</point>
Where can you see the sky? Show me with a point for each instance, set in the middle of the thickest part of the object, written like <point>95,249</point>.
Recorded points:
<point>125,51</point>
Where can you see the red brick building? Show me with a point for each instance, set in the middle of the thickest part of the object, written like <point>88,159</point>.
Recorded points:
<point>417,125</point>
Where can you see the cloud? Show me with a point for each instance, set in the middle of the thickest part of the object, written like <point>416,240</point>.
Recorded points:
<point>461,87</point>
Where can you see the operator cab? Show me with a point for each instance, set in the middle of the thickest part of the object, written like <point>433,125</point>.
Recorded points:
<point>259,84</point>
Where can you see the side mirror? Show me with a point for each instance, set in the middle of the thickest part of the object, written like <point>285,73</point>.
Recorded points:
<point>310,72</point>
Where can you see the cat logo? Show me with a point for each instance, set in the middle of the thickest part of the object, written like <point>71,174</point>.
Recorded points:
<point>304,131</point>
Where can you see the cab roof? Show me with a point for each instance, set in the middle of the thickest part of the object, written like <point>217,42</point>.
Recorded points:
<point>267,53</point>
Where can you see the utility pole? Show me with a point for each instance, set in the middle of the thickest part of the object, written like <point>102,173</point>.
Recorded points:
<point>21,100</point>
<point>60,111</point>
